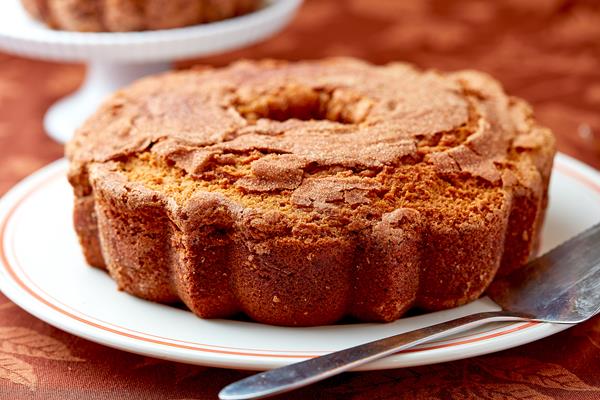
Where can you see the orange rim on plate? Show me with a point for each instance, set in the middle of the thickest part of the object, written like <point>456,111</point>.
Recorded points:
<point>38,294</point>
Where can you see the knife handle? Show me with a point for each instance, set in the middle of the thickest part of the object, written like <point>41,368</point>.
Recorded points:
<point>304,373</point>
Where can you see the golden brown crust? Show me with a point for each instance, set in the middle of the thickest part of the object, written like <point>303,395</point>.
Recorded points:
<point>86,225</point>
<point>300,193</point>
<point>133,15</point>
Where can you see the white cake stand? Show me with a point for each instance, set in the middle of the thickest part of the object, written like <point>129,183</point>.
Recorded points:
<point>115,59</point>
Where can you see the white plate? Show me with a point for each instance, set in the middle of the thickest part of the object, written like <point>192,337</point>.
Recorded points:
<point>42,270</point>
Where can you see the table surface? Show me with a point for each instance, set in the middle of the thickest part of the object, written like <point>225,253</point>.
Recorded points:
<point>546,51</point>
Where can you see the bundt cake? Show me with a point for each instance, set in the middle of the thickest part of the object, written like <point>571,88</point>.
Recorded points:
<point>300,193</point>
<point>133,15</point>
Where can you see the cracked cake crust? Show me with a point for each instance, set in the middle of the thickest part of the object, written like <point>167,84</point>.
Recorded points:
<point>299,193</point>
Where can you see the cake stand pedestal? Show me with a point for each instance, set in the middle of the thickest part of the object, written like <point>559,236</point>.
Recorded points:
<point>116,59</point>
<point>102,79</point>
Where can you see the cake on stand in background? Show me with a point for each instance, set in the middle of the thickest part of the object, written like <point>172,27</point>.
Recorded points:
<point>134,15</point>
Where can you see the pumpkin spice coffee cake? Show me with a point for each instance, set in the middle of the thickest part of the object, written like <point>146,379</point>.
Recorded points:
<point>300,193</point>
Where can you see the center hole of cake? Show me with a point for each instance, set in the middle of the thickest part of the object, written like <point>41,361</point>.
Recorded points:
<point>306,104</point>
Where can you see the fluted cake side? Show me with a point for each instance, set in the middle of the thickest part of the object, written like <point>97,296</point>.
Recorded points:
<point>133,15</point>
<point>299,193</point>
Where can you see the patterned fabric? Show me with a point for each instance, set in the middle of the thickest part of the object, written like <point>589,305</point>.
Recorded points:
<point>547,51</point>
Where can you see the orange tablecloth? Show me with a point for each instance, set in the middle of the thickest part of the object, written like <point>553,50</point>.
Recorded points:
<point>547,51</point>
